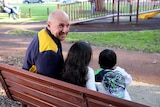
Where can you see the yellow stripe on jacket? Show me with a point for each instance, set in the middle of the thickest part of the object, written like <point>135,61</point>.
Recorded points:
<point>33,69</point>
<point>46,42</point>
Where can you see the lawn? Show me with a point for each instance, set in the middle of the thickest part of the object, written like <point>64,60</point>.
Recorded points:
<point>35,12</point>
<point>38,11</point>
<point>145,41</point>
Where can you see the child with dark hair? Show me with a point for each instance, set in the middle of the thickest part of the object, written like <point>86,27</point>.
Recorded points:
<point>114,79</point>
<point>76,67</point>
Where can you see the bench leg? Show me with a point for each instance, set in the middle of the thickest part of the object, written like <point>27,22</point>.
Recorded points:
<point>9,15</point>
<point>19,14</point>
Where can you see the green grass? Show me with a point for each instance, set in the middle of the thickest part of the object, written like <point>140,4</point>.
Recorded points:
<point>22,32</point>
<point>38,12</point>
<point>145,41</point>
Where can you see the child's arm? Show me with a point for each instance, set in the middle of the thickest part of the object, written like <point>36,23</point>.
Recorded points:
<point>91,80</point>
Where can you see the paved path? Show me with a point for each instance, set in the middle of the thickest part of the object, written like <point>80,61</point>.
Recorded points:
<point>102,25</point>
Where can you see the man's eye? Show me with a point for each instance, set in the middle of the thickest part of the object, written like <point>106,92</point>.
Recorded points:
<point>68,25</point>
<point>61,26</point>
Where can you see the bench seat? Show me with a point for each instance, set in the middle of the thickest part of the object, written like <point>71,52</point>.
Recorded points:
<point>37,90</point>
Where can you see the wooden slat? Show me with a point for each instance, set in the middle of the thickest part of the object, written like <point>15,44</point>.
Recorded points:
<point>39,78</point>
<point>58,92</point>
<point>5,86</point>
<point>38,90</point>
<point>42,98</point>
<point>104,100</point>
<point>29,99</point>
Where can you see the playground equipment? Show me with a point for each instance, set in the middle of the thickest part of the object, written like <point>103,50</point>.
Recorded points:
<point>148,15</point>
<point>81,11</point>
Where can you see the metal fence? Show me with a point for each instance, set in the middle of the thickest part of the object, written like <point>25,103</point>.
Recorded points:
<point>81,11</point>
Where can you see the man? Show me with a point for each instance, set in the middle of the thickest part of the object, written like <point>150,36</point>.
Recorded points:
<point>44,54</point>
<point>93,6</point>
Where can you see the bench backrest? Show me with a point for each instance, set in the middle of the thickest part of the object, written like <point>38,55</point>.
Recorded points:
<point>37,90</point>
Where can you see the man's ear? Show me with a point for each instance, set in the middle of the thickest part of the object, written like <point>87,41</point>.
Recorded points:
<point>48,24</point>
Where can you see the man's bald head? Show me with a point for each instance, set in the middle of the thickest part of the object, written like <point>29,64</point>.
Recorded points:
<point>58,24</point>
<point>58,14</point>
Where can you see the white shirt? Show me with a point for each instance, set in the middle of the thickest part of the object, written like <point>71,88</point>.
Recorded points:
<point>91,80</point>
<point>128,80</point>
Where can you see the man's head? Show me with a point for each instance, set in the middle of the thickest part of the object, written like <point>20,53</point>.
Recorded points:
<point>58,24</point>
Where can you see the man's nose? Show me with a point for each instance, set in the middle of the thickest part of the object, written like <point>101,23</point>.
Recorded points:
<point>66,29</point>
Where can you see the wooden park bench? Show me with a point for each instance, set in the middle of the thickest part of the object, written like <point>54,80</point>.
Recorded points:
<point>9,15</point>
<point>2,12</point>
<point>37,90</point>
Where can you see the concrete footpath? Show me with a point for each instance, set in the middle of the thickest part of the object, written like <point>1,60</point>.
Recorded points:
<point>102,25</point>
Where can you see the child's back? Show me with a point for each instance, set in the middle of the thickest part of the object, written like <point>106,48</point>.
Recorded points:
<point>114,80</point>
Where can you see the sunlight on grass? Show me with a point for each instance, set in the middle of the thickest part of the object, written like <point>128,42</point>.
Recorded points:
<point>37,11</point>
<point>23,32</point>
<point>145,41</point>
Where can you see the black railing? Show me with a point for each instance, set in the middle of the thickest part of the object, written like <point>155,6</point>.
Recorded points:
<point>81,11</point>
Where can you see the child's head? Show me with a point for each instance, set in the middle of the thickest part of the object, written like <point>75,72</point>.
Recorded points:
<point>107,59</point>
<point>76,63</point>
<point>80,52</point>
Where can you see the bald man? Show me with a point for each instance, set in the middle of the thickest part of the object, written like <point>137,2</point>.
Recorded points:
<point>44,54</point>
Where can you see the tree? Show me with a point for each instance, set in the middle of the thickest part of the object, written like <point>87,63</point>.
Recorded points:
<point>100,5</point>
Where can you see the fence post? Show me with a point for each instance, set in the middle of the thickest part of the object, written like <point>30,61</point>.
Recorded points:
<point>30,13</point>
<point>130,10</point>
<point>47,11</point>
<point>137,14</point>
<point>118,12</point>
<point>113,11</point>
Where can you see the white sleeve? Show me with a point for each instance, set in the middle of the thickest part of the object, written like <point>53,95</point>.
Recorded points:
<point>91,80</point>
<point>128,77</point>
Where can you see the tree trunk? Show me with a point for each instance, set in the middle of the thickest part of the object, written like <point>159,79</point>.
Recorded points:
<point>100,5</point>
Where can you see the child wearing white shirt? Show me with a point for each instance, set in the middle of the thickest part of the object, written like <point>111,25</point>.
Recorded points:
<point>114,79</point>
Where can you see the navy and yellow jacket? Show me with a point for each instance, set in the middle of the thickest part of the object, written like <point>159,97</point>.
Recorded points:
<point>44,55</point>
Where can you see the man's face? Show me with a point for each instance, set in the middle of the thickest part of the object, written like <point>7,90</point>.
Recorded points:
<point>59,28</point>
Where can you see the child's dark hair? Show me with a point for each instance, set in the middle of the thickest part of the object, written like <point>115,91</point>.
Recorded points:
<point>76,63</point>
<point>107,59</point>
